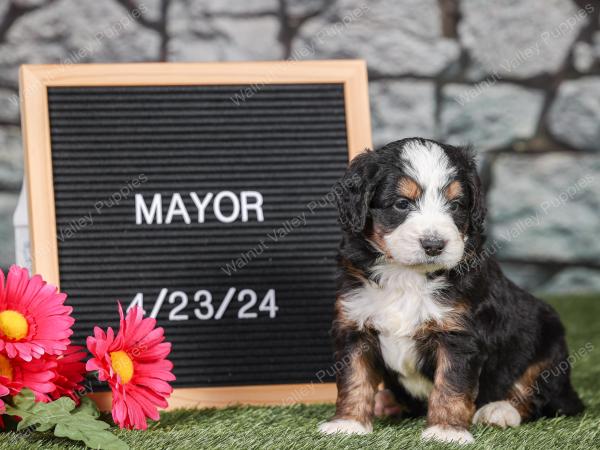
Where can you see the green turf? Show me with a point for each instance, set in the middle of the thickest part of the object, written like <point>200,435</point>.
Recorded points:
<point>295,427</point>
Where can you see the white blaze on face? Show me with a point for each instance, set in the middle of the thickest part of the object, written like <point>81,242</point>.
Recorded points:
<point>429,166</point>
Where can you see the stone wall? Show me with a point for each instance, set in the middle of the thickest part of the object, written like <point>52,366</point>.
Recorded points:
<point>519,80</point>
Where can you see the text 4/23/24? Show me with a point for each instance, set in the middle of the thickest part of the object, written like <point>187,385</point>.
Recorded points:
<point>206,309</point>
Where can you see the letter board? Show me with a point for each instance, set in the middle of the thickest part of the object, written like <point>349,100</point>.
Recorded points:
<point>201,192</point>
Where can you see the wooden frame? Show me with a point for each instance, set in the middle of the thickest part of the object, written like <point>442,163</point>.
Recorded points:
<point>34,81</point>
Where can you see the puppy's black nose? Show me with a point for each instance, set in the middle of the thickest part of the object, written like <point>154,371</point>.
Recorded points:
<point>433,246</point>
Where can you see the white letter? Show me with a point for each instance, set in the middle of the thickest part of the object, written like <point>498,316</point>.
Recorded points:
<point>217,207</point>
<point>177,207</point>
<point>201,205</point>
<point>141,209</point>
<point>256,206</point>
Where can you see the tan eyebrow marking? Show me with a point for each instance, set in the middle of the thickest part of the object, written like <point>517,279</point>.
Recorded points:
<point>453,191</point>
<point>407,187</point>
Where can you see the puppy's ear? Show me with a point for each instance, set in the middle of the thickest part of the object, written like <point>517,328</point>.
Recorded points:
<point>477,209</point>
<point>355,190</point>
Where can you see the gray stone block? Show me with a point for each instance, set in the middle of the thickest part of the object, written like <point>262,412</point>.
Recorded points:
<point>11,158</point>
<point>520,39</point>
<point>152,9</point>
<point>395,37</point>
<point>99,31</point>
<point>3,8</point>
<point>583,56</point>
<point>9,106</point>
<point>573,280</point>
<point>489,115</point>
<point>586,55</point>
<point>545,207</point>
<point>28,3</point>
<point>8,203</point>
<point>527,276</point>
<point>402,109</point>
<point>237,7</point>
<point>575,114</point>
<point>200,33</point>
<point>297,8</point>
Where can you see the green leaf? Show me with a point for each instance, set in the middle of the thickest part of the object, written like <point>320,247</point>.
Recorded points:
<point>25,399</point>
<point>68,421</point>
<point>88,405</point>
<point>94,437</point>
<point>44,415</point>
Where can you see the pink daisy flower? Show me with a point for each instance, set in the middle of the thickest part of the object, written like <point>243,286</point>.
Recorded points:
<point>33,318</point>
<point>134,364</point>
<point>4,391</point>
<point>16,374</point>
<point>70,372</point>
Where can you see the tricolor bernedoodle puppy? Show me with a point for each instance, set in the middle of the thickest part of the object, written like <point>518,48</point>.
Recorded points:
<point>423,310</point>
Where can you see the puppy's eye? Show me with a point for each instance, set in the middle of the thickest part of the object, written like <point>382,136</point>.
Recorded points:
<point>454,206</point>
<point>402,204</point>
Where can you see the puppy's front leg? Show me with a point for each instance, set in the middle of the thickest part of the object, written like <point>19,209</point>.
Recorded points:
<point>357,380</point>
<point>452,400</point>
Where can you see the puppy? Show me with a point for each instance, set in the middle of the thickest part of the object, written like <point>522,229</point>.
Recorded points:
<point>423,309</point>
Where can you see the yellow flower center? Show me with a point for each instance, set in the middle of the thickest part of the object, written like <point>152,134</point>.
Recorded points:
<point>13,324</point>
<point>123,365</point>
<point>6,369</point>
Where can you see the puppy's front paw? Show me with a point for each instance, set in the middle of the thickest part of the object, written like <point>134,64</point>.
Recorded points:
<point>447,434</point>
<point>500,414</point>
<point>345,426</point>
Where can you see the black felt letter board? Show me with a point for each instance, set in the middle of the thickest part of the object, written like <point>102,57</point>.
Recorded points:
<point>275,154</point>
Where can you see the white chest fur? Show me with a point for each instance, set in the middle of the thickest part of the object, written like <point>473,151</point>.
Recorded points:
<point>396,307</point>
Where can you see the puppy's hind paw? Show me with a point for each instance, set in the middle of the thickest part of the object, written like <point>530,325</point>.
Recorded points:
<point>447,434</point>
<point>345,426</point>
<point>386,404</point>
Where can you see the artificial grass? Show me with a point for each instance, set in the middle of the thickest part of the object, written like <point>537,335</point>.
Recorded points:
<point>296,426</point>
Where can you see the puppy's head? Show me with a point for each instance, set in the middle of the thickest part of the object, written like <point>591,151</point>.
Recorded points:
<point>417,202</point>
